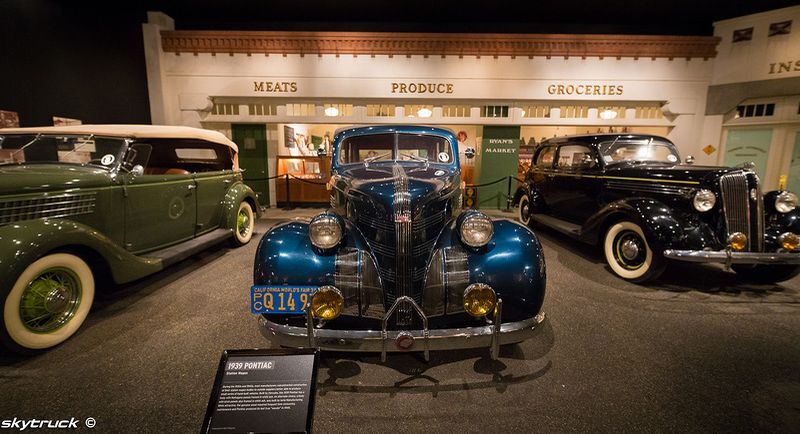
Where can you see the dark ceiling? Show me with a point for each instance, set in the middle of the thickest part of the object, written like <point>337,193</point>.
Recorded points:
<point>84,59</point>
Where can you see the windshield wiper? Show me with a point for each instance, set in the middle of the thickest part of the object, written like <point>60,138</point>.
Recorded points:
<point>416,158</point>
<point>373,158</point>
<point>14,154</point>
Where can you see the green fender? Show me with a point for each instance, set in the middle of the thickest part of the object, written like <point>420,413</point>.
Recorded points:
<point>23,243</point>
<point>235,195</point>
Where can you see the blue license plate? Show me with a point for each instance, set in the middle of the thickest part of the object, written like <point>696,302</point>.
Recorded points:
<point>280,299</point>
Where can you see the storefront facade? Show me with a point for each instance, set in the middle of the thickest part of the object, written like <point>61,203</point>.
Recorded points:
<point>281,94</point>
<point>753,109</point>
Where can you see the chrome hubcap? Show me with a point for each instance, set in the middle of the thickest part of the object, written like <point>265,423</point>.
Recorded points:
<point>50,300</point>
<point>630,250</point>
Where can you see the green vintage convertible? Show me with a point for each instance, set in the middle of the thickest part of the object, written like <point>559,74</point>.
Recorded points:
<point>84,206</point>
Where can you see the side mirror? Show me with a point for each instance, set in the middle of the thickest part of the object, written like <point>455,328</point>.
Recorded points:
<point>469,153</point>
<point>689,159</point>
<point>137,170</point>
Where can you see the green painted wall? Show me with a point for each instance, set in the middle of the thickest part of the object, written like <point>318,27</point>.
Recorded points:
<point>499,158</point>
<point>748,145</point>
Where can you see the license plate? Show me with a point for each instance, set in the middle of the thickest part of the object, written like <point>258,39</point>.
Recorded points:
<point>280,299</point>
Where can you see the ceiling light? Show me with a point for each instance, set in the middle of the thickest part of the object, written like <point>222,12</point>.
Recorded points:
<point>608,114</point>
<point>331,111</point>
<point>424,112</point>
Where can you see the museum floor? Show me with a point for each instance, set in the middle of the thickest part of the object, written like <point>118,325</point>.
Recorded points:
<point>696,352</point>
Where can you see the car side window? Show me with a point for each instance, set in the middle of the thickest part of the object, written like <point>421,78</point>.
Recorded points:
<point>576,157</point>
<point>544,159</point>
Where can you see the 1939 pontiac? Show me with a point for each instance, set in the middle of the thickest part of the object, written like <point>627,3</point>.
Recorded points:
<point>630,194</point>
<point>395,265</point>
<point>84,205</point>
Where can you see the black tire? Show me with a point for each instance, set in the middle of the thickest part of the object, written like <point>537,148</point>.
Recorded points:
<point>525,210</point>
<point>766,273</point>
<point>628,254</point>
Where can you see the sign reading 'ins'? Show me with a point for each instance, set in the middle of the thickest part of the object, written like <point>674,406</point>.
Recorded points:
<point>433,88</point>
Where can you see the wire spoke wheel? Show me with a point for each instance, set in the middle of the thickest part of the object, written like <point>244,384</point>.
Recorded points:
<point>50,300</point>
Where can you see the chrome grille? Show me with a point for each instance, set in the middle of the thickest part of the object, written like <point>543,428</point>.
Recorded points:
<point>64,205</point>
<point>743,206</point>
<point>403,258</point>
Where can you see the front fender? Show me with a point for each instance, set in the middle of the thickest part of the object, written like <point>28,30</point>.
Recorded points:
<point>777,223</point>
<point>512,264</point>
<point>233,197</point>
<point>664,226</point>
<point>23,243</point>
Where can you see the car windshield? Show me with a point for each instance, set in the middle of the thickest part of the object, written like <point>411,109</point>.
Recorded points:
<point>639,150</point>
<point>83,150</point>
<point>395,147</point>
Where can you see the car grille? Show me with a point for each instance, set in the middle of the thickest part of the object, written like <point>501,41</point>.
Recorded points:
<point>743,206</point>
<point>65,205</point>
<point>402,251</point>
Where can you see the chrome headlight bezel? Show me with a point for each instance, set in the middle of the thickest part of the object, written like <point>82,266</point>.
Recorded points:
<point>476,230</point>
<point>785,201</point>
<point>325,231</point>
<point>704,200</point>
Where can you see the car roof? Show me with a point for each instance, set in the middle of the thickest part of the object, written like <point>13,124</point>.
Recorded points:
<point>131,131</point>
<point>382,129</point>
<point>597,138</point>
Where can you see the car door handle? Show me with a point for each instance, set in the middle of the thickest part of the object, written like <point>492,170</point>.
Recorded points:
<point>191,186</point>
<point>227,181</point>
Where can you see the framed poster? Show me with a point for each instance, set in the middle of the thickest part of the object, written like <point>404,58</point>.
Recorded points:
<point>9,119</point>
<point>263,391</point>
<point>288,137</point>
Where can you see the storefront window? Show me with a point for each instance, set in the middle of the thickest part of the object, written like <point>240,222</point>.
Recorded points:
<point>381,110</point>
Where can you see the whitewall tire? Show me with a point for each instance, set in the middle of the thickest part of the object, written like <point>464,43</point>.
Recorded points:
<point>628,254</point>
<point>525,210</point>
<point>48,303</point>
<point>245,223</point>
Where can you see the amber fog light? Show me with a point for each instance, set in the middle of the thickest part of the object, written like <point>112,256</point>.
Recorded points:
<point>326,303</point>
<point>737,241</point>
<point>479,299</point>
<point>789,241</point>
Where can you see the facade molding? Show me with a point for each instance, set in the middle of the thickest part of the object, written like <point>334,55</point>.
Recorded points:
<point>438,44</point>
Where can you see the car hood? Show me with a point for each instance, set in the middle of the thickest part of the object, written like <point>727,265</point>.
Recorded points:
<point>706,175</point>
<point>39,178</point>
<point>381,184</point>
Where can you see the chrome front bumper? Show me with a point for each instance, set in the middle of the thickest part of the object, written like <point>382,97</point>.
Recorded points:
<point>728,257</point>
<point>383,341</point>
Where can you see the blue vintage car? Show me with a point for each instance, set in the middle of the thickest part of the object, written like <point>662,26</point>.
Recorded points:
<point>395,264</point>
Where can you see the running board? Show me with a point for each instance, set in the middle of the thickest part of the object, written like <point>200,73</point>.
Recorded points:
<point>567,228</point>
<point>179,252</point>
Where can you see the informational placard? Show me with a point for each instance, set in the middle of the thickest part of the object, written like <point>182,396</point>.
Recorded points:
<point>263,391</point>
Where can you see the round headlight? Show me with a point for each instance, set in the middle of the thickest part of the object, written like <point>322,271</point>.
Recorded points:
<point>789,241</point>
<point>326,303</point>
<point>477,230</point>
<point>479,299</point>
<point>704,200</point>
<point>325,231</point>
<point>786,201</point>
<point>737,241</point>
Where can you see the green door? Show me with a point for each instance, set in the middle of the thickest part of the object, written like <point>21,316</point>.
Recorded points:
<point>252,142</point>
<point>793,184</point>
<point>748,145</point>
<point>160,209</point>
<point>498,159</point>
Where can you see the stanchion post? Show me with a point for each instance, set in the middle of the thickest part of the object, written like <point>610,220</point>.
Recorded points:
<point>508,195</point>
<point>288,193</point>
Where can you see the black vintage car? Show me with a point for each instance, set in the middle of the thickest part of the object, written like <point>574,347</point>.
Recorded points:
<point>630,194</point>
